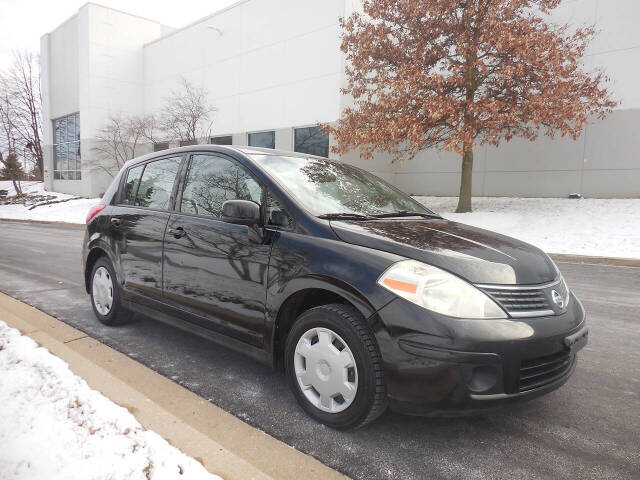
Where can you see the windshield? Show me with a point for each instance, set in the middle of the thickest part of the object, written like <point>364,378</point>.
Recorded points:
<point>326,187</point>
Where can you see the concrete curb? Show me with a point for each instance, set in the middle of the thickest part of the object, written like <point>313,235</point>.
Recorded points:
<point>43,222</point>
<point>589,260</point>
<point>224,444</point>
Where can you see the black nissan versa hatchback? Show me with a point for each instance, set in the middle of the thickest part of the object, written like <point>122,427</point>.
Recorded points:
<point>365,297</point>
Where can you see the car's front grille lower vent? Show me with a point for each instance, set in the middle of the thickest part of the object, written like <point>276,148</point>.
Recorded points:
<point>544,370</point>
<point>524,301</point>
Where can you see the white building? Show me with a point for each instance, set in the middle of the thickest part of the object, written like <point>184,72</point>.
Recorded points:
<point>273,68</point>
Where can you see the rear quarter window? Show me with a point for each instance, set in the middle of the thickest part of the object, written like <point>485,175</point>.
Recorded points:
<point>156,185</point>
<point>131,183</point>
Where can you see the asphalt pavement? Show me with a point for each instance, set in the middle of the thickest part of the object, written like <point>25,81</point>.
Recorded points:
<point>589,428</point>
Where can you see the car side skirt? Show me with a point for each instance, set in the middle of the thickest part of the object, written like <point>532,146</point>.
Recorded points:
<point>221,339</point>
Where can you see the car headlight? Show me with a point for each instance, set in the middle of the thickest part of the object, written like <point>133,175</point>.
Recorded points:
<point>564,288</point>
<point>439,291</point>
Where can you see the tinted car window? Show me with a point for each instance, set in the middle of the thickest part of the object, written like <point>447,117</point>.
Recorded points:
<point>276,214</point>
<point>157,183</point>
<point>213,180</point>
<point>131,185</point>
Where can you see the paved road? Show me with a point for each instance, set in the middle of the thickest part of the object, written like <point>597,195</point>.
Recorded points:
<point>590,428</point>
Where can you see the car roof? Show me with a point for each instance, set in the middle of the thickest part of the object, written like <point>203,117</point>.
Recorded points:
<point>245,150</point>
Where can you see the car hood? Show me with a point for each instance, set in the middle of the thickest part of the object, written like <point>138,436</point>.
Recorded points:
<point>478,255</point>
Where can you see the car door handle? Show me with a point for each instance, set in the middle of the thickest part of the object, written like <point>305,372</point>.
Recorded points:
<point>116,222</point>
<point>177,232</point>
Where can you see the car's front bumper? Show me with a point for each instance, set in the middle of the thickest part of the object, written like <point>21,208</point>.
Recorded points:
<point>441,366</point>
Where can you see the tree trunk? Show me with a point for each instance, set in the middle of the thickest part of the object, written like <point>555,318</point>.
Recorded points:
<point>16,186</point>
<point>464,200</point>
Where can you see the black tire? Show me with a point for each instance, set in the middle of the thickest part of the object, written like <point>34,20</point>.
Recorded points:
<point>371,397</point>
<point>117,315</point>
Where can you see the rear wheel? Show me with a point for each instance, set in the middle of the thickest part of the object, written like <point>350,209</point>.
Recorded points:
<point>105,294</point>
<point>334,367</point>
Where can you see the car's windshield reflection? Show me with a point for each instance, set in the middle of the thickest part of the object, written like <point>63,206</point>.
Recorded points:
<point>327,187</point>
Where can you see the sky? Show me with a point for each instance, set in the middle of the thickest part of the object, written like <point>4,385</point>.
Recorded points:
<point>23,22</point>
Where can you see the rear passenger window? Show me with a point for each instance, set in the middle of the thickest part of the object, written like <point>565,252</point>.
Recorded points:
<point>131,185</point>
<point>157,183</point>
<point>213,180</point>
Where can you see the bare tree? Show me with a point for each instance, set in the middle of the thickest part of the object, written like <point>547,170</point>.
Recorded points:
<point>118,141</point>
<point>185,117</point>
<point>7,128</point>
<point>8,158</point>
<point>21,84</point>
<point>6,123</point>
<point>10,167</point>
<point>187,112</point>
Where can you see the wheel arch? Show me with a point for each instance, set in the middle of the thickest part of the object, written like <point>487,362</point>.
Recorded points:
<point>304,294</point>
<point>95,252</point>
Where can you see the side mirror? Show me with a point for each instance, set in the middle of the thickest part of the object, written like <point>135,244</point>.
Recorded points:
<point>241,212</point>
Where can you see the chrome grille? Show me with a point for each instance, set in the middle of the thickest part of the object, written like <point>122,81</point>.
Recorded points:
<point>525,300</point>
<point>544,370</point>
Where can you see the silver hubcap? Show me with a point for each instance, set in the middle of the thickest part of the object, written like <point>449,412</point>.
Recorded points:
<point>102,291</point>
<point>326,370</point>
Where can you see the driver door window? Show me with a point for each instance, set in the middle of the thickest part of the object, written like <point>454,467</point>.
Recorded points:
<point>211,181</point>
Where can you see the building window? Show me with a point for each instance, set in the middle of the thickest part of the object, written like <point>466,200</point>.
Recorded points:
<point>159,146</point>
<point>311,140</point>
<point>222,140</point>
<point>66,147</point>
<point>186,143</point>
<point>263,139</point>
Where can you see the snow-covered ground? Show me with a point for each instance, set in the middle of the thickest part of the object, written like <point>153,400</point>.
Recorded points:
<point>71,211</point>
<point>54,426</point>
<point>598,227</point>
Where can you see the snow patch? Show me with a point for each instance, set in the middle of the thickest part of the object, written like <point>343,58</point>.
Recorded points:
<point>54,426</point>
<point>598,227</point>
<point>70,211</point>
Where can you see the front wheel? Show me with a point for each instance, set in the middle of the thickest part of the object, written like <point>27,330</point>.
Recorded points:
<point>105,294</point>
<point>334,367</point>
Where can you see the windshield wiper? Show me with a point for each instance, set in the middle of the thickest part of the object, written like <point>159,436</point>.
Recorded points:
<point>406,213</point>
<point>345,216</point>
